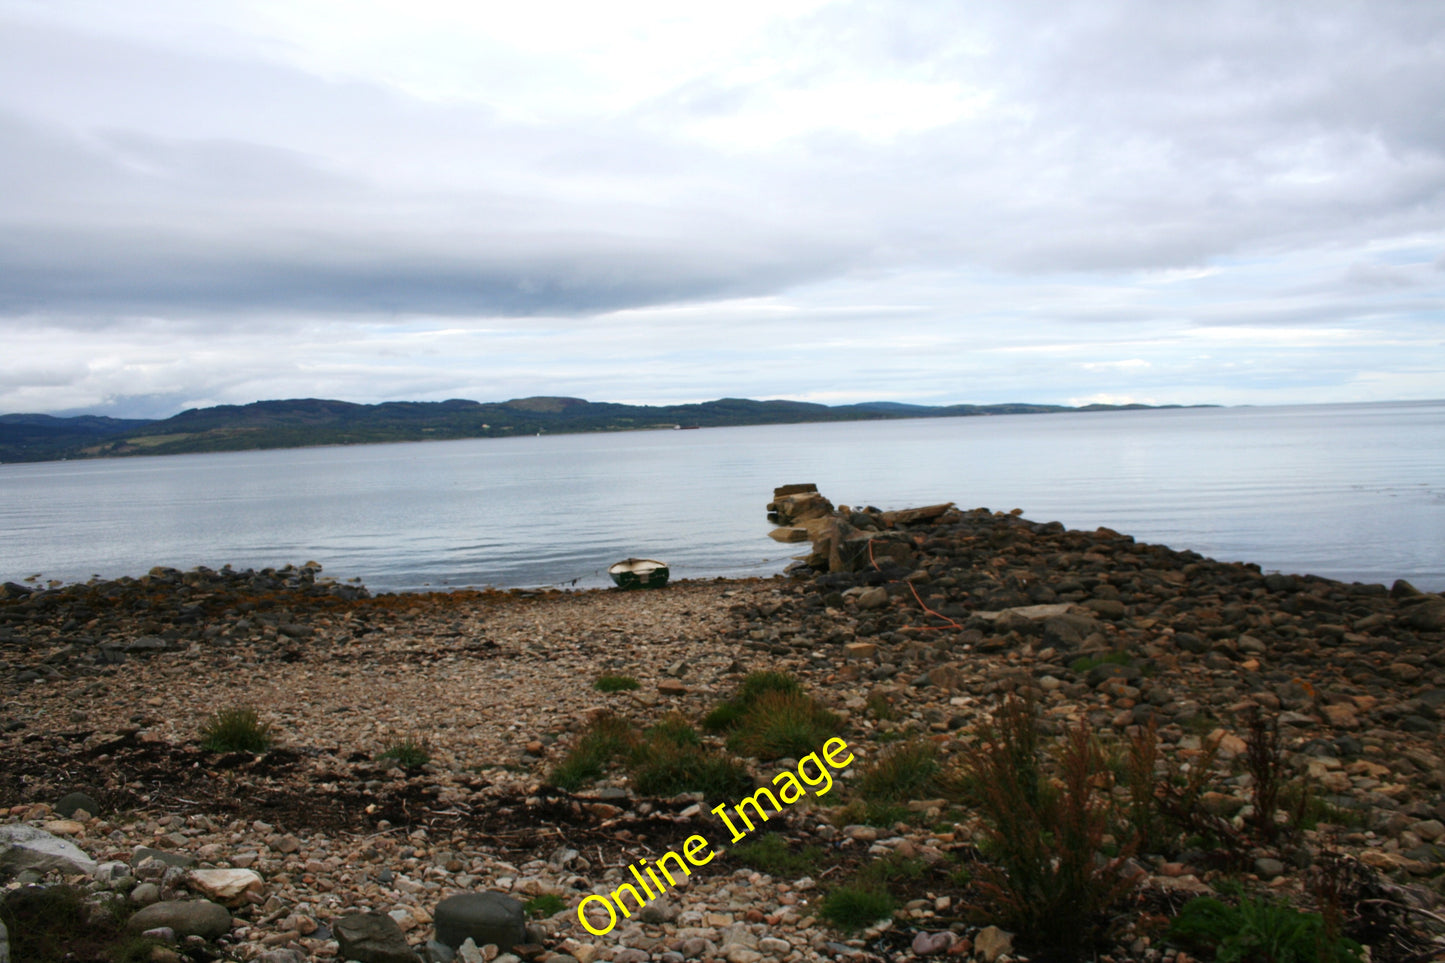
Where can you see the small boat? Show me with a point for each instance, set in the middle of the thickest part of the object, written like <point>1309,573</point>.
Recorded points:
<point>635,573</point>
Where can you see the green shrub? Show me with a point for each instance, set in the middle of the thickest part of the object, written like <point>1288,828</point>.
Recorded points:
<point>758,684</point>
<point>853,907</point>
<point>409,753</point>
<point>667,769</point>
<point>772,854</point>
<point>545,905</point>
<point>902,772</point>
<point>1259,931</point>
<point>615,683</point>
<point>236,730</point>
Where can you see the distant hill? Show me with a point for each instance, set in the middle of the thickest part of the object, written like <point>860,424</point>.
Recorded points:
<point>309,421</point>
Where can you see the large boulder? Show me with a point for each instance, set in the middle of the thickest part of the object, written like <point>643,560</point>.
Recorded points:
<point>25,847</point>
<point>372,938</point>
<point>482,917</point>
<point>191,917</point>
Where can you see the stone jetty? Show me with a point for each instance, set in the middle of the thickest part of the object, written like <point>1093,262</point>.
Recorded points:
<point>908,625</point>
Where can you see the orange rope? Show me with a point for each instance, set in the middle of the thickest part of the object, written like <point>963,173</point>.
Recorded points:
<point>938,615</point>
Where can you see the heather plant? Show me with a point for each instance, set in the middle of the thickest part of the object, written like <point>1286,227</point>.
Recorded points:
<point>1045,838</point>
<point>1264,757</point>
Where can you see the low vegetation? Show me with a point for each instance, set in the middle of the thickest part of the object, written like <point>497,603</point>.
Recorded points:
<point>1259,931</point>
<point>856,905</point>
<point>667,759</point>
<point>771,854</point>
<point>615,683</point>
<point>238,729</point>
<point>771,717</point>
<point>409,752</point>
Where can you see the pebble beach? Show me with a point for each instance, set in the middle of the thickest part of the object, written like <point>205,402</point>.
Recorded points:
<point>106,687</point>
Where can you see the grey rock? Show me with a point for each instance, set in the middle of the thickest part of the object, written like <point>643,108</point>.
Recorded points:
<point>469,952</point>
<point>145,894</point>
<point>484,917</point>
<point>1429,616</point>
<point>284,955</point>
<point>192,917</point>
<point>164,933</point>
<point>71,803</point>
<point>438,952</point>
<point>27,848</point>
<point>372,938</point>
<point>147,644</point>
<point>928,944</point>
<point>142,853</point>
<point>875,597</point>
<point>1268,868</point>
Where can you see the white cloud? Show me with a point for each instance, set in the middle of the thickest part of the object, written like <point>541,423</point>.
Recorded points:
<point>805,199</point>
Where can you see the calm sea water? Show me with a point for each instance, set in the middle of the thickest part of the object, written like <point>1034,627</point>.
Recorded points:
<point>1355,492</point>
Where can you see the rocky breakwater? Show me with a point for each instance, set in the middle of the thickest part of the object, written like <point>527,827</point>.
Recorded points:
<point>944,610</point>
<point>844,540</point>
<point>79,628</point>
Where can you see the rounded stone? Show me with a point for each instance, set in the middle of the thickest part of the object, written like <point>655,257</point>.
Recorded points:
<point>482,917</point>
<point>71,803</point>
<point>194,917</point>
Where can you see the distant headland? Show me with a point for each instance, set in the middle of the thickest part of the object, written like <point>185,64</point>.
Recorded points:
<point>300,423</point>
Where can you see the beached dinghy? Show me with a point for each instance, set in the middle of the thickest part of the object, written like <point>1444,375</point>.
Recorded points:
<point>634,573</point>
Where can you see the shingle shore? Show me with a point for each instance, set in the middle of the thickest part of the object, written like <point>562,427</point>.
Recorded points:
<point>105,687</point>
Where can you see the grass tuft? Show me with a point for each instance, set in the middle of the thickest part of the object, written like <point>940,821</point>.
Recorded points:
<point>668,759</point>
<point>771,717</point>
<point>615,683</point>
<point>238,729</point>
<point>854,906</point>
<point>772,854</point>
<point>409,753</point>
<point>609,738</point>
<point>902,772</point>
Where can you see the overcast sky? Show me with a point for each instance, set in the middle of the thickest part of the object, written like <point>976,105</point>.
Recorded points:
<point>1206,202</point>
